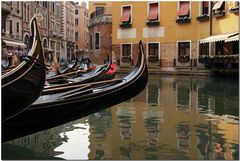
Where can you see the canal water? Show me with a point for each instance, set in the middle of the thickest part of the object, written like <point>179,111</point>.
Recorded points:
<point>175,117</point>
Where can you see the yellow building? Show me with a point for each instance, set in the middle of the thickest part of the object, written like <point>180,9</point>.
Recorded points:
<point>174,33</point>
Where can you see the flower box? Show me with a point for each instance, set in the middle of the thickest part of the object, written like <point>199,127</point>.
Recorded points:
<point>183,59</point>
<point>125,25</point>
<point>183,20</point>
<point>218,13</point>
<point>153,23</point>
<point>234,10</point>
<point>203,17</point>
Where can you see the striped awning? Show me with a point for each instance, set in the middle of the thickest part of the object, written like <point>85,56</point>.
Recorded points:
<point>126,14</point>
<point>216,38</point>
<point>153,11</point>
<point>183,8</point>
<point>234,37</point>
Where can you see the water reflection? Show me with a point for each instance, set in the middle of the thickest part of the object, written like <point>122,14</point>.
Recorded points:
<point>173,118</point>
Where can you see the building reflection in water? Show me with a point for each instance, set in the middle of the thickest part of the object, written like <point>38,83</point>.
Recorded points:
<point>173,118</point>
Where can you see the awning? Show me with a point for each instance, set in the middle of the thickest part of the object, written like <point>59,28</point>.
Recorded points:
<point>153,11</point>
<point>215,38</point>
<point>183,9</point>
<point>217,5</point>
<point>126,14</point>
<point>14,43</point>
<point>234,37</point>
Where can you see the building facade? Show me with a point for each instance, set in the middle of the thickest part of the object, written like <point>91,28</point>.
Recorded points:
<point>100,31</point>
<point>81,29</point>
<point>56,24</point>
<point>12,32</point>
<point>173,39</point>
<point>68,21</point>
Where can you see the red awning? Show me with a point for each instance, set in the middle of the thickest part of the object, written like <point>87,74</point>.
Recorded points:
<point>217,5</point>
<point>183,9</point>
<point>126,14</point>
<point>153,11</point>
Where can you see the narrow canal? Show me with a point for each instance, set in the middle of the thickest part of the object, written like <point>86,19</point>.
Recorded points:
<point>175,117</point>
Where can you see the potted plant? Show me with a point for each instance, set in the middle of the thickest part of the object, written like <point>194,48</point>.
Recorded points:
<point>203,17</point>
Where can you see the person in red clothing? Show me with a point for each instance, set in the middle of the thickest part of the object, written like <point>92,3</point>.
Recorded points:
<point>112,69</point>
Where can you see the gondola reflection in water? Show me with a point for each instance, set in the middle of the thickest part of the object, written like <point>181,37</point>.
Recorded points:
<point>54,109</point>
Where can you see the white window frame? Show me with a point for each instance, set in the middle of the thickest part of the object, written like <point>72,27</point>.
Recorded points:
<point>148,7</point>
<point>95,41</point>
<point>121,49</point>
<point>190,53</point>
<point>190,8</point>
<point>201,7</point>
<point>122,6</point>
<point>155,42</point>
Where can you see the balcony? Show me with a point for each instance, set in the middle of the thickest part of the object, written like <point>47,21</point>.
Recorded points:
<point>53,33</point>
<point>6,8</point>
<point>100,19</point>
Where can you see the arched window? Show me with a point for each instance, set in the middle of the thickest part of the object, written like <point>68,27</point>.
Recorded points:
<point>45,44</point>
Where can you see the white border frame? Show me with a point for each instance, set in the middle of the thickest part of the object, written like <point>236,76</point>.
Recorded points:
<point>159,52</point>
<point>121,50</point>
<point>190,53</point>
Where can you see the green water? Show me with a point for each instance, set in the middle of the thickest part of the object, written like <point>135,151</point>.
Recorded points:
<point>175,117</point>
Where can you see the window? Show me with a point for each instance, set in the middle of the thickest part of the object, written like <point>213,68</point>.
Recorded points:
<point>76,47</point>
<point>99,11</point>
<point>203,49</point>
<point>183,48</point>
<point>76,22</point>
<point>45,4</point>
<point>153,12</point>
<point>28,12</point>
<point>126,14</point>
<point>76,36</point>
<point>184,8</point>
<point>204,8</point>
<point>76,12</point>
<point>17,27</point>
<point>97,41</point>
<point>126,50</point>
<point>53,6</point>
<point>153,49</point>
<point>18,8</point>
<point>10,27</point>
<point>91,43</point>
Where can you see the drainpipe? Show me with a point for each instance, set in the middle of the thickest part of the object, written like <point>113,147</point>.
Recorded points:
<point>210,26</point>
<point>210,16</point>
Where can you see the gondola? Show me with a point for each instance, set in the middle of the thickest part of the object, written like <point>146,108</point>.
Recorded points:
<point>52,110</point>
<point>78,77</point>
<point>23,85</point>
<point>67,67</point>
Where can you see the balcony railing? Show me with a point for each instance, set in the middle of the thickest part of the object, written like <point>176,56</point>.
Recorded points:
<point>53,33</point>
<point>101,19</point>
